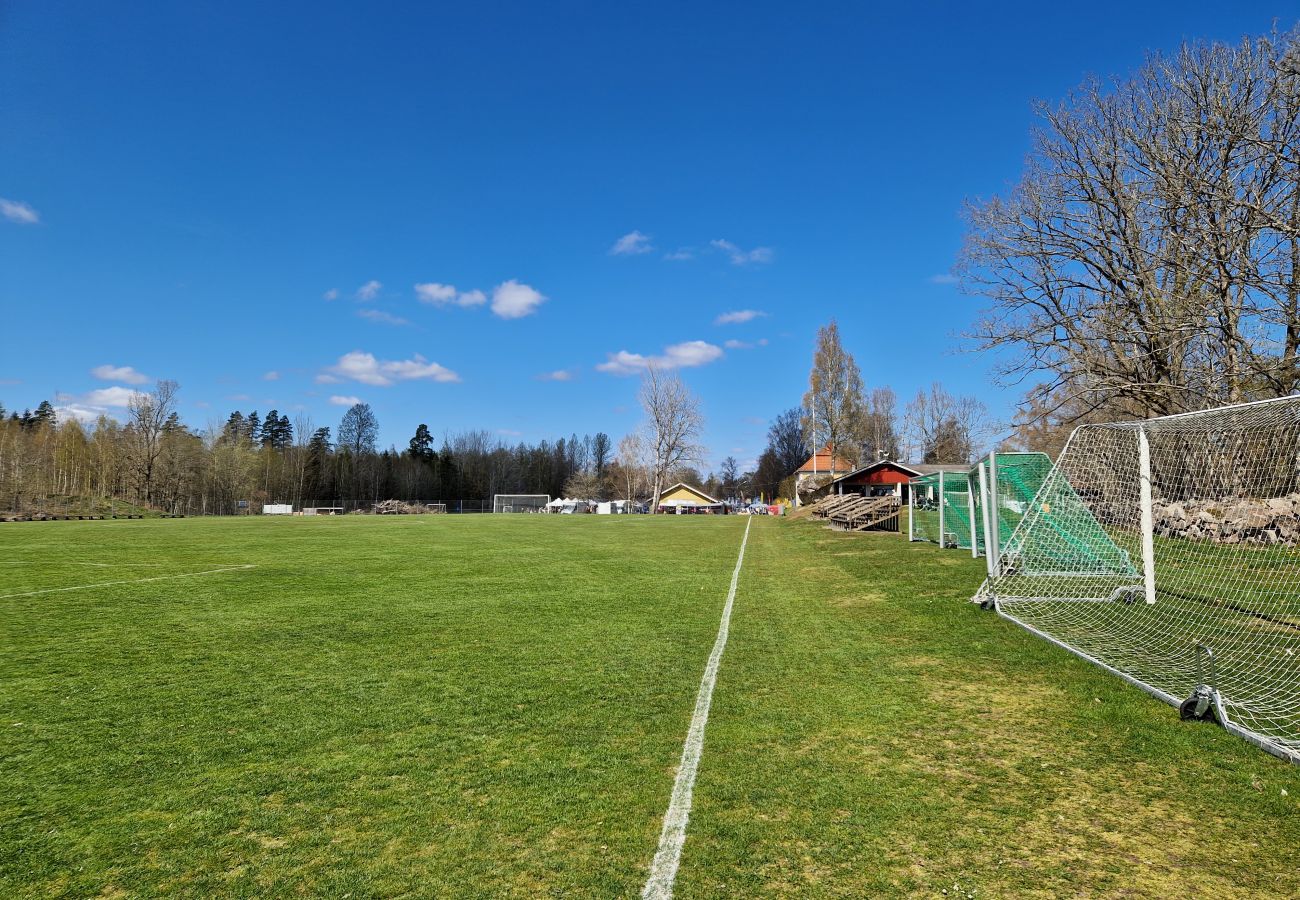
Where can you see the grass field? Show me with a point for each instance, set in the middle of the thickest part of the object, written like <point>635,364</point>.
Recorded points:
<point>495,706</point>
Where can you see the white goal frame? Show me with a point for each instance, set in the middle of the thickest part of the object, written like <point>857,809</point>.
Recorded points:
<point>1167,552</point>
<point>520,503</point>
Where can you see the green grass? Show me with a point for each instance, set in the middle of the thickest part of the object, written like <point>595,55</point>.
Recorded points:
<point>494,706</point>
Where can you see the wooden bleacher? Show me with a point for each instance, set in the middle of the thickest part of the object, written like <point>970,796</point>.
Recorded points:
<point>867,514</point>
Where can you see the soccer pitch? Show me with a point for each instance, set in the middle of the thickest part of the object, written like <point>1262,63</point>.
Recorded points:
<point>497,705</point>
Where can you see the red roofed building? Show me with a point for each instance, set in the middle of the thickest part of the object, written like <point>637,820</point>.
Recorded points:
<point>821,468</point>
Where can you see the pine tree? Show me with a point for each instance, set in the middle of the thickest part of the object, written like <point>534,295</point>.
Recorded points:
<point>252,428</point>
<point>234,429</point>
<point>421,446</point>
<point>45,415</point>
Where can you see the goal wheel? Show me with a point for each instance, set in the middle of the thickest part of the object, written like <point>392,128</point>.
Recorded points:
<point>1197,708</point>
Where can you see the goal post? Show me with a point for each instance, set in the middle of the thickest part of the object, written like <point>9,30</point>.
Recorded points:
<point>520,503</point>
<point>943,511</point>
<point>1167,551</point>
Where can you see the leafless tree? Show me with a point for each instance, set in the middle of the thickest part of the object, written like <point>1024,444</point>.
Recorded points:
<point>1146,262</point>
<point>148,416</point>
<point>834,409</point>
<point>631,462</point>
<point>672,428</point>
<point>941,428</point>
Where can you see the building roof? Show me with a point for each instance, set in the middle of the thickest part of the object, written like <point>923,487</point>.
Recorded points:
<point>911,469</point>
<point>824,461</point>
<point>694,492</point>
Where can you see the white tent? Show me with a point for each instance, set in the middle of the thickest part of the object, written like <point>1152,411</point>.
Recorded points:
<point>568,505</point>
<point>613,507</point>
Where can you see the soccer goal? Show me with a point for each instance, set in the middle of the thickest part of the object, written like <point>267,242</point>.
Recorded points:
<point>1167,551</point>
<point>520,503</point>
<point>1002,488</point>
<point>943,511</point>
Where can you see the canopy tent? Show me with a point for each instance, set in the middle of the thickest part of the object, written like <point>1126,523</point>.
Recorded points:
<point>568,505</point>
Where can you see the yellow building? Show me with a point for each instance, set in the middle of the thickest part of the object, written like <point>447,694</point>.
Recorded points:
<point>683,499</point>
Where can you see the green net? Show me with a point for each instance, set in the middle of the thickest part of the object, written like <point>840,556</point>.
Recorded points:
<point>1018,480</point>
<point>925,508</point>
<point>957,512</point>
<point>943,501</point>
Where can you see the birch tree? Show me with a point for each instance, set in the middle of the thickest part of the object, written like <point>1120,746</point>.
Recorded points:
<point>672,428</point>
<point>834,408</point>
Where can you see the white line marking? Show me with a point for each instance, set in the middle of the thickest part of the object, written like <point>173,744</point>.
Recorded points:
<point>663,870</point>
<point>79,587</point>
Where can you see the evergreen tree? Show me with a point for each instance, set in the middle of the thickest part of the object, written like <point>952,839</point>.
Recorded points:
<point>421,446</point>
<point>45,415</point>
<point>252,428</point>
<point>266,434</point>
<point>234,429</point>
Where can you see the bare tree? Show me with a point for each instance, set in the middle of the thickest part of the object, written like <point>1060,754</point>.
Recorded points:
<point>1147,261</point>
<point>148,416</point>
<point>672,428</point>
<point>631,461</point>
<point>882,426</point>
<point>942,428</point>
<point>834,410</point>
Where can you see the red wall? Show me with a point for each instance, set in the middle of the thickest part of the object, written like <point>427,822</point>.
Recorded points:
<point>882,475</point>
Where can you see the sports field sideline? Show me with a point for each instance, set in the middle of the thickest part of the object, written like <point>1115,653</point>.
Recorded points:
<point>496,706</point>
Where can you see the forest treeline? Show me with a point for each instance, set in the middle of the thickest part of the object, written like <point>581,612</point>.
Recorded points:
<point>49,462</point>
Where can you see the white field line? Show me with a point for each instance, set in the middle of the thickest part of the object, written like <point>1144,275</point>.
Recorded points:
<point>82,587</point>
<point>663,870</point>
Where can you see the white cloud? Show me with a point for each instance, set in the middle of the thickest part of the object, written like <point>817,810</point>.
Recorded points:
<point>83,414</point>
<point>557,375</point>
<point>271,376</point>
<point>119,373</point>
<point>368,291</point>
<point>946,278</point>
<point>676,356</point>
<point>509,432</point>
<point>742,257</point>
<point>110,396</point>
<point>331,294</point>
<point>341,400</point>
<point>17,211</point>
<point>512,300</point>
<point>378,315</point>
<point>363,367</point>
<point>238,398</point>
<point>734,344</point>
<point>735,317</point>
<point>634,243</point>
<point>680,253</point>
<point>436,294</point>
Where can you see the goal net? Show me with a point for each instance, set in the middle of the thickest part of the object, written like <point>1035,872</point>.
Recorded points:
<point>942,511</point>
<point>520,503</point>
<point>1003,485</point>
<point>1166,551</point>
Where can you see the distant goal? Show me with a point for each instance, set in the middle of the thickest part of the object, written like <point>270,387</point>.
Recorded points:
<point>520,503</point>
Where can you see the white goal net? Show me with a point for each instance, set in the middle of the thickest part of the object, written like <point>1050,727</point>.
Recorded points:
<point>1168,551</point>
<point>520,503</point>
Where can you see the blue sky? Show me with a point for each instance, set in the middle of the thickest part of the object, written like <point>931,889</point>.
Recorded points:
<point>292,205</point>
